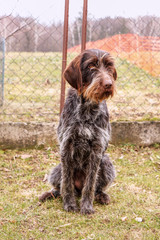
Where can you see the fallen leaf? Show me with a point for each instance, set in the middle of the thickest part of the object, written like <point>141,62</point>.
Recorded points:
<point>151,158</point>
<point>138,219</point>
<point>45,178</point>
<point>124,218</point>
<point>5,169</point>
<point>157,165</point>
<point>65,225</point>
<point>25,156</point>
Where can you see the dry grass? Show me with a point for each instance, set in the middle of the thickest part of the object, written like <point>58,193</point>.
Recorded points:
<point>149,61</point>
<point>135,196</point>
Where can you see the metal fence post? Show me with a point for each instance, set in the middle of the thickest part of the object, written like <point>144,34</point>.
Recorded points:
<point>2,49</point>
<point>84,25</point>
<point>64,54</point>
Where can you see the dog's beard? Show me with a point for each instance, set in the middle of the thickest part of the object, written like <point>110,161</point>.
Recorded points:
<point>96,92</point>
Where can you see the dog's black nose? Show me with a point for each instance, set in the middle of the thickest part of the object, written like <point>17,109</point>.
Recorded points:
<point>107,84</point>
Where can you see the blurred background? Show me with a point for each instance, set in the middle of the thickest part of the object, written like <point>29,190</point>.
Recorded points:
<point>31,40</point>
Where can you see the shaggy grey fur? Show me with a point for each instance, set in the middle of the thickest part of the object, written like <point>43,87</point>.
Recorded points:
<point>85,169</point>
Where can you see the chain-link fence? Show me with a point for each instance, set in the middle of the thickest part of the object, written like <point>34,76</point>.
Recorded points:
<point>2,50</point>
<point>33,62</point>
<point>32,69</point>
<point>135,45</point>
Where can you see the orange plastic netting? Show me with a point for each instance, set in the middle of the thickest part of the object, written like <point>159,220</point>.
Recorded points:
<point>144,51</point>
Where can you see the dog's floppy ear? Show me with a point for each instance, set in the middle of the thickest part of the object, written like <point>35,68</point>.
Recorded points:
<point>72,74</point>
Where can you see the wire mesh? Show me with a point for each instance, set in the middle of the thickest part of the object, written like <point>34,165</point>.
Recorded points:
<point>2,50</point>
<point>33,62</point>
<point>32,69</point>
<point>135,45</point>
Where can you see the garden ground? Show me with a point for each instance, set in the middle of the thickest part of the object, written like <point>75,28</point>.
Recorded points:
<point>134,211</point>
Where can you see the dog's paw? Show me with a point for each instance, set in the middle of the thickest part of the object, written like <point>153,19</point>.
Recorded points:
<point>49,195</point>
<point>45,196</point>
<point>87,210</point>
<point>102,198</point>
<point>70,208</point>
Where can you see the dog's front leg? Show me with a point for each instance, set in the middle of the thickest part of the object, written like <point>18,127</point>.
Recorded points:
<point>89,187</point>
<point>67,185</point>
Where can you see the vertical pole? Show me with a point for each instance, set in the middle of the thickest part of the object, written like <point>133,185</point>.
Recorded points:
<point>2,58</point>
<point>64,54</point>
<point>3,66</point>
<point>84,25</point>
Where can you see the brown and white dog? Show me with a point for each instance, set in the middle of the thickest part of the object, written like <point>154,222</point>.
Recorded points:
<point>84,132</point>
<point>93,74</point>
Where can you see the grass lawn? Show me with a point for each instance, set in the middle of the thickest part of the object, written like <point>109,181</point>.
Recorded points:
<point>32,89</point>
<point>134,211</point>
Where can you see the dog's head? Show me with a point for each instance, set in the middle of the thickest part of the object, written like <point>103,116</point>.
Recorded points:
<point>93,74</point>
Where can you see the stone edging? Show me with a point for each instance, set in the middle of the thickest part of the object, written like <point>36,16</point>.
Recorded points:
<point>138,133</point>
<point>30,135</point>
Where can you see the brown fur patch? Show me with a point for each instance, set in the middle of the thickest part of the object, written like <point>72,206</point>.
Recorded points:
<point>96,91</point>
<point>89,61</point>
<point>102,198</point>
<point>72,74</point>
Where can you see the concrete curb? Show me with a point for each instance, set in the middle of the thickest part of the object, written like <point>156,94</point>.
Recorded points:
<point>30,135</point>
<point>139,133</point>
<point>27,135</point>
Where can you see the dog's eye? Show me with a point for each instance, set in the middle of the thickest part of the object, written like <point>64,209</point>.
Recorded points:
<point>91,66</point>
<point>109,70</point>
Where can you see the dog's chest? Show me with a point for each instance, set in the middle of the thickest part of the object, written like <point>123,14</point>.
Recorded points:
<point>84,129</point>
<point>86,140</point>
<point>83,134</point>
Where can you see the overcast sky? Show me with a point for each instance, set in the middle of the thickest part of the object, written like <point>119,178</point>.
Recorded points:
<point>53,10</point>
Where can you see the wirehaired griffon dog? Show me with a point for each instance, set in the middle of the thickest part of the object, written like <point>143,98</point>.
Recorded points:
<point>84,132</point>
